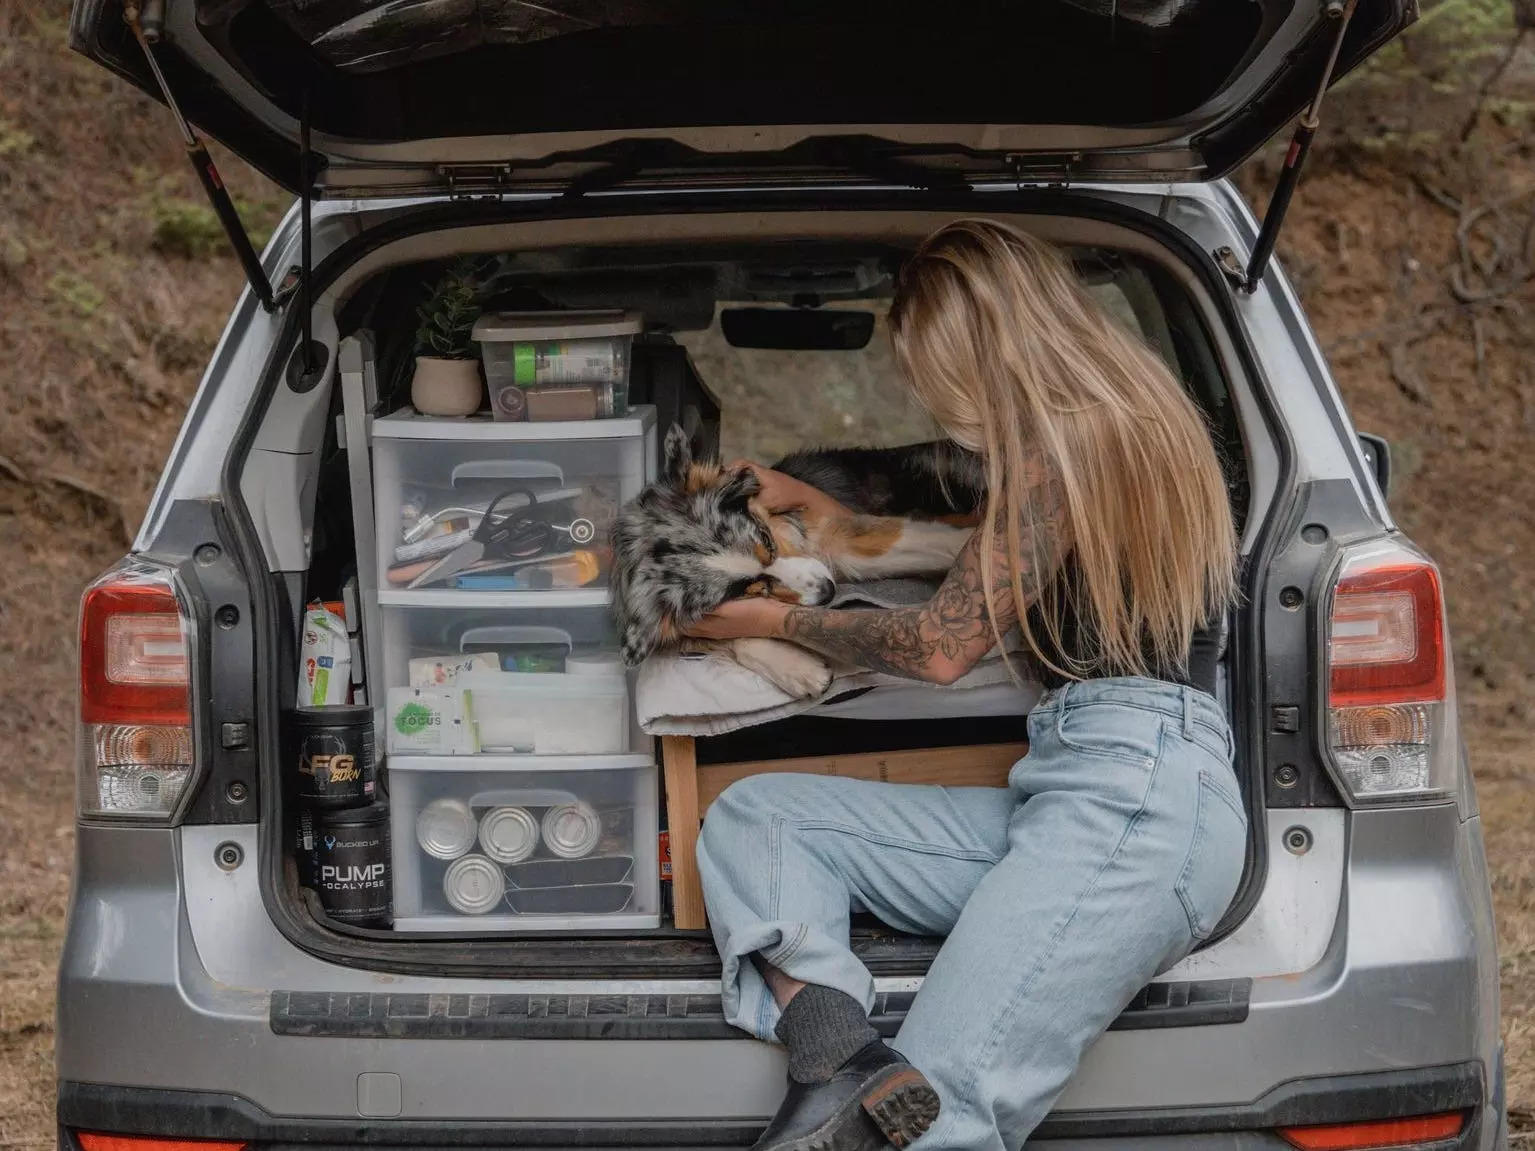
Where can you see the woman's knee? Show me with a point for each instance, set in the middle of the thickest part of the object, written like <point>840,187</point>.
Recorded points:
<point>739,818</point>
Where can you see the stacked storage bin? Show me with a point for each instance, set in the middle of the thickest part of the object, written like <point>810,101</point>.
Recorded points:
<point>524,795</point>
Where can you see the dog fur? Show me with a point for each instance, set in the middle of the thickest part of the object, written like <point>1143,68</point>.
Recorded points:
<point>698,537</point>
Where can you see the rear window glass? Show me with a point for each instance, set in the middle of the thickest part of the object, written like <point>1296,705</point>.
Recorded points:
<point>775,401</point>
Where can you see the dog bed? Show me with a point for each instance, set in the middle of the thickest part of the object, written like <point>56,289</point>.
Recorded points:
<point>710,694</point>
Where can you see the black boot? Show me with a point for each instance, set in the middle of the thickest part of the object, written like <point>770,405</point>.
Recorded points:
<point>874,1101</point>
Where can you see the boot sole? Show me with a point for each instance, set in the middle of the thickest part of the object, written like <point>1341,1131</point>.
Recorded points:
<point>903,1106</point>
<point>892,1111</point>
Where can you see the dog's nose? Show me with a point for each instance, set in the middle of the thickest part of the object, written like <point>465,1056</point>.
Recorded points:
<point>824,590</point>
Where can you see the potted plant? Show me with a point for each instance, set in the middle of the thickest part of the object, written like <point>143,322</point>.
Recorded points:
<point>447,377</point>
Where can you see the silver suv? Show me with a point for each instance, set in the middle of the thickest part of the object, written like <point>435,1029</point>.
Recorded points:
<point>682,160</point>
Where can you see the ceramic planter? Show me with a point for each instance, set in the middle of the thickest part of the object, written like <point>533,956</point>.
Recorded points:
<point>446,387</point>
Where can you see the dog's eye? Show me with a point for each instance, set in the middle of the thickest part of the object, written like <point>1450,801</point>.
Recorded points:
<point>767,549</point>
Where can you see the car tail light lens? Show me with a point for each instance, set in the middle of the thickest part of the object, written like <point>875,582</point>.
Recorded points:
<point>1390,702</point>
<point>135,744</point>
<point>1413,1132</point>
<point>95,1141</point>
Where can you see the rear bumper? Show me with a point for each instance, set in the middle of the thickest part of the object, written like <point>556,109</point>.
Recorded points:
<point>1248,1127</point>
<point>1408,980</point>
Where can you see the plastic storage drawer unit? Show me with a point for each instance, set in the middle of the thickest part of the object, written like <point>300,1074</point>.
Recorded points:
<point>496,844</point>
<point>556,486</point>
<point>530,681</point>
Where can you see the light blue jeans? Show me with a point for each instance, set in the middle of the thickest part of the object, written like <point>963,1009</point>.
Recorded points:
<point>1115,848</point>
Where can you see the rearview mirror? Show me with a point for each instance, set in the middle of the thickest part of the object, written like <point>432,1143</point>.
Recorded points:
<point>797,329</point>
<point>1377,453</point>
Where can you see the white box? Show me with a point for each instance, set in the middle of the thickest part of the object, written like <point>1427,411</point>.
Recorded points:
<point>545,713</point>
<point>430,721</point>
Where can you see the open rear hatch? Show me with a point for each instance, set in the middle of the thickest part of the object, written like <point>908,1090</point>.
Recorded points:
<point>421,96</point>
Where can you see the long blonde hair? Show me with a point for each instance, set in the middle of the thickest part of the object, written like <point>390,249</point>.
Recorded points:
<point>1000,342</point>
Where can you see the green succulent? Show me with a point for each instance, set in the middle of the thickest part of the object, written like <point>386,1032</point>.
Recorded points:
<point>448,314</point>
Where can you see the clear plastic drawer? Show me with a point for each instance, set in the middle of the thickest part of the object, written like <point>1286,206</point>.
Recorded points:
<point>474,677</point>
<point>494,844</point>
<point>555,487</point>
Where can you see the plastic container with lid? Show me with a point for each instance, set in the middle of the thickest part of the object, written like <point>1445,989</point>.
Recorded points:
<point>578,360</point>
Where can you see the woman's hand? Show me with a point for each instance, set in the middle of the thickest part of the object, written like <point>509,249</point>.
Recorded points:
<point>751,618</point>
<point>783,493</point>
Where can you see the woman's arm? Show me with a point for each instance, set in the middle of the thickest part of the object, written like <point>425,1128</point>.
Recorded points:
<point>938,641</point>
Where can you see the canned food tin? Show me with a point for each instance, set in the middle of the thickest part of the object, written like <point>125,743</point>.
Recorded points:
<point>508,834</point>
<point>473,885</point>
<point>331,754</point>
<point>572,830</point>
<point>445,829</point>
<point>349,864</point>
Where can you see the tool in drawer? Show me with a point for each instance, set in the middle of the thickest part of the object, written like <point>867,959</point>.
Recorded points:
<point>522,530</point>
<point>419,523</point>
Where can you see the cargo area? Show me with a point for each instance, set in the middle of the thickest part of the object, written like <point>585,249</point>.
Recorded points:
<point>506,803</point>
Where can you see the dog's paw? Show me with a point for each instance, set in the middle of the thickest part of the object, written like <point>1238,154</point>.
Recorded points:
<point>792,670</point>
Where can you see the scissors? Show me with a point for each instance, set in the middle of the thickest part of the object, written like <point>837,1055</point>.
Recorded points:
<point>517,533</point>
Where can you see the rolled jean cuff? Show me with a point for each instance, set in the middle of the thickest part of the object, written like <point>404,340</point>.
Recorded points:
<point>800,952</point>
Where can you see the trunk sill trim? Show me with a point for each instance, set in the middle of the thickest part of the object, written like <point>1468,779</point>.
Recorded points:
<point>423,1015</point>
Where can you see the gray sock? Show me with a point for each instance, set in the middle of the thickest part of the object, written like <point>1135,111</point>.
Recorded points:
<point>822,1028</point>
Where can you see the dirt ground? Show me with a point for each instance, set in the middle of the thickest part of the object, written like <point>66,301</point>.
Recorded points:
<point>1414,253</point>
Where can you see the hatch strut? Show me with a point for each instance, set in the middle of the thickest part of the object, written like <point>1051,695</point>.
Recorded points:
<point>197,153</point>
<point>1300,144</point>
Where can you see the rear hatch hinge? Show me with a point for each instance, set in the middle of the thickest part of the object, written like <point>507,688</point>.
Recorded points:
<point>476,181</point>
<point>1042,170</point>
<point>145,19</point>
<point>1340,12</point>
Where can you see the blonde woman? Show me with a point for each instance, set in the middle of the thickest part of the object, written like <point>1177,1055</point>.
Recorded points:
<point>1108,542</point>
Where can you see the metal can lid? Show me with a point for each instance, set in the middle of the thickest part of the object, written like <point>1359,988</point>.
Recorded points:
<point>473,885</point>
<point>572,830</point>
<point>508,834</point>
<point>446,828</point>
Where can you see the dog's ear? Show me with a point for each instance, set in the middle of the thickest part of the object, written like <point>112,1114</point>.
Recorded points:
<point>677,456</point>
<point>739,487</point>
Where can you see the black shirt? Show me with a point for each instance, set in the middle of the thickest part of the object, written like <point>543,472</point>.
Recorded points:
<point>1199,671</point>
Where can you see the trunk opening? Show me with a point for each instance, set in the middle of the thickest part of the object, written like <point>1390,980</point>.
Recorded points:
<point>768,401</point>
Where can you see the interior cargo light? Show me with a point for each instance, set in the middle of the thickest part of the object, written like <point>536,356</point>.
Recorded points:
<point>1375,1133</point>
<point>135,741</point>
<point>1390,706</point>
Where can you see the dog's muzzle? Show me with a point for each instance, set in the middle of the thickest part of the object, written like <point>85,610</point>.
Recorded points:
<point>808,578</point>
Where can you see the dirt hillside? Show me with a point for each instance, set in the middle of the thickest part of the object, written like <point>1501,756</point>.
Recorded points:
<point>1414,251</point>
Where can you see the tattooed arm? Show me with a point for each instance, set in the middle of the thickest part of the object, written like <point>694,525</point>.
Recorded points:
<point>938,641</point>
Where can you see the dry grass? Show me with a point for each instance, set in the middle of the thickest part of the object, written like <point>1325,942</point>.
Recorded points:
<point>103,328</point>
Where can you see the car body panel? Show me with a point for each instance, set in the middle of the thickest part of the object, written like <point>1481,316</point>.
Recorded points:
<point>1408,979</point>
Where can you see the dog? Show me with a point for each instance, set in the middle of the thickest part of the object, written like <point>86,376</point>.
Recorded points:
<point>698,536</point>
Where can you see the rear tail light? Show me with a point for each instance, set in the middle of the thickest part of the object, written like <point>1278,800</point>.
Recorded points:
<point>135,745</point>
<point>1413,1132</point>
<point>1390,703</point>
<point>93,1141</point>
